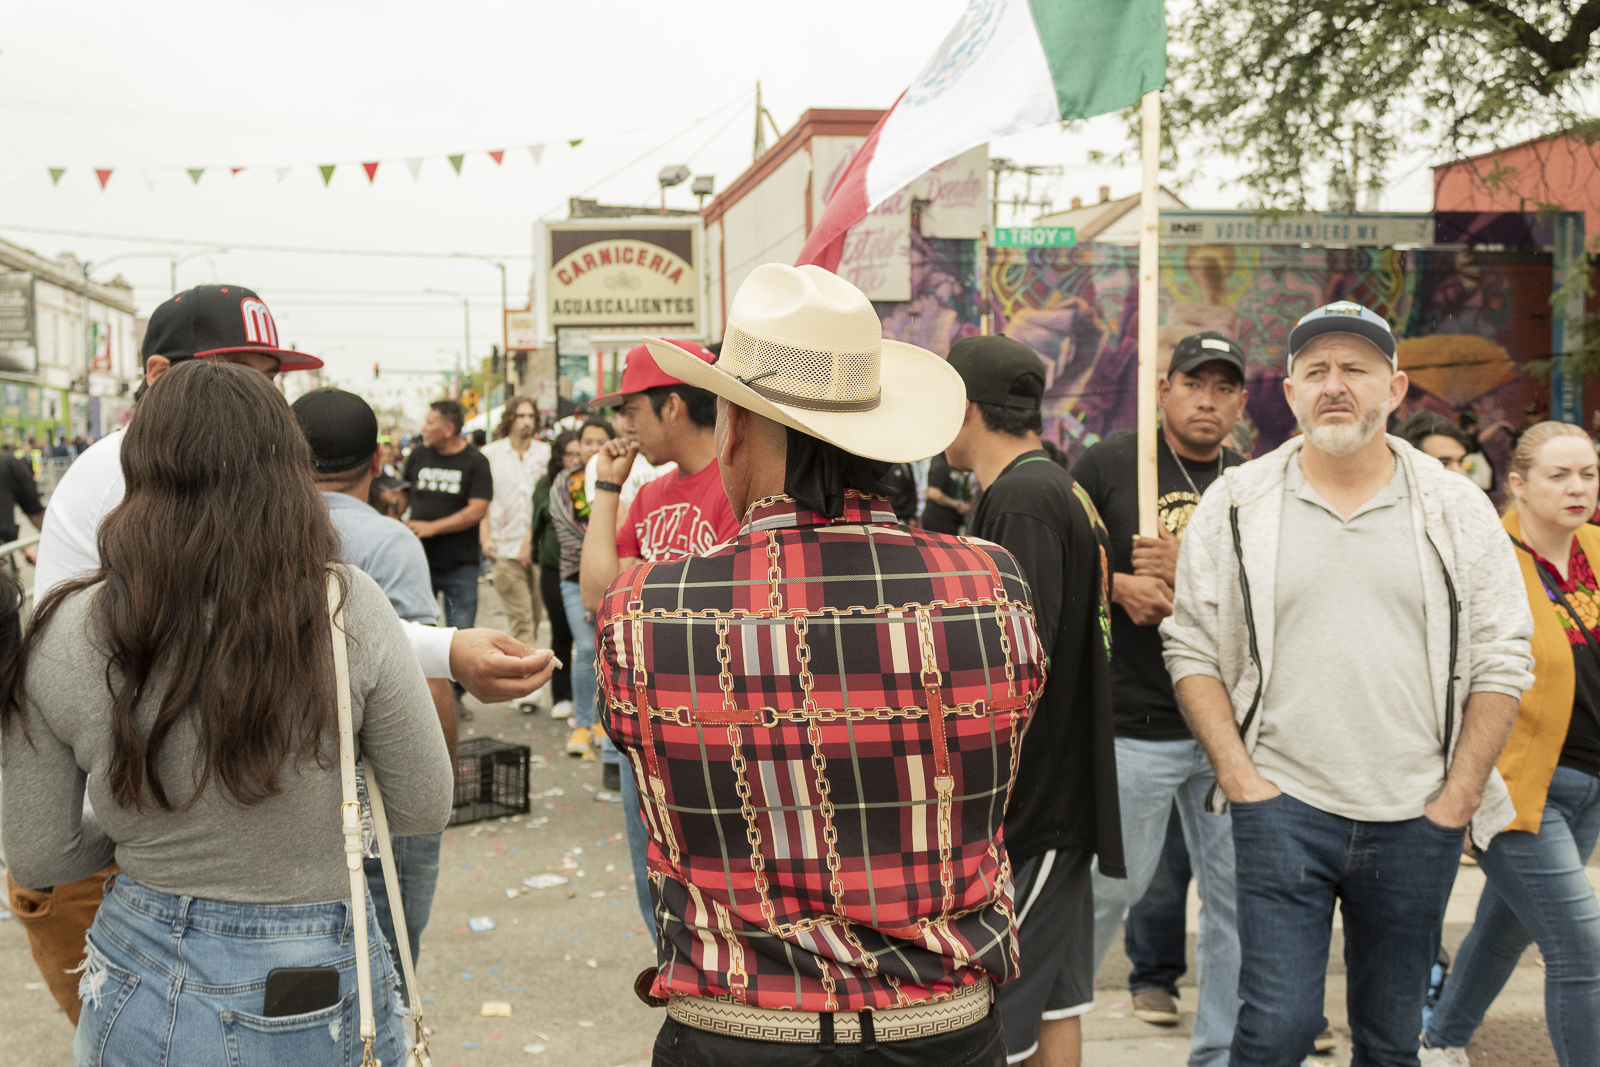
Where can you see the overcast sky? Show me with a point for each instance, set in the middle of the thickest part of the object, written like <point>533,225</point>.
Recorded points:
<point>155,88</point>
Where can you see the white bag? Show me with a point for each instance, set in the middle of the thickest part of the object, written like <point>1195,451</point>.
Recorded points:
<point>417,1053</point>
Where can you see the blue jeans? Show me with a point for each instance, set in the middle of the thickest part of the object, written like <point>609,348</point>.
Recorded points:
<point>1156,933</point>
<point>1152,777</point>
<point>416,861</point>
<point>1391,881</point>
<point>460,588</point>
<point>582,661</point>
<point>638,842</point>
<point>175,980</point>
<point>1537,891</point>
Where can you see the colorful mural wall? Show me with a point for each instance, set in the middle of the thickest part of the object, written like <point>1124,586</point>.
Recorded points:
<point>1469,322</point>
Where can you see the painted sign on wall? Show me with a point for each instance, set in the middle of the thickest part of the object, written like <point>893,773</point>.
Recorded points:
<point>628,276</point>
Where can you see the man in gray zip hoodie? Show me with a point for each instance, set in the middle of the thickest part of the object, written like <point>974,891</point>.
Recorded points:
<point>1349,642</point>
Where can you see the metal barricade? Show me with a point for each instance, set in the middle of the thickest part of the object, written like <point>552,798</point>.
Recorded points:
<point>50,471</point>
<point>8,558</point>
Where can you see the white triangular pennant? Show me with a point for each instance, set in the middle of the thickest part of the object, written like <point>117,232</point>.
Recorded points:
<point>536,150</point>
<point>415,166</point>
<point>282,172</point>
<point>149,179</point>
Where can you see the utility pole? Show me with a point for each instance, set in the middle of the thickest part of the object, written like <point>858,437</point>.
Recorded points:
<point>999,167</point>
<point>761,136</point>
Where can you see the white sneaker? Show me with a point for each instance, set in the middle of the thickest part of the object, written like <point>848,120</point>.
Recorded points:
<point>1443,1057</point>
<point>562,710</point>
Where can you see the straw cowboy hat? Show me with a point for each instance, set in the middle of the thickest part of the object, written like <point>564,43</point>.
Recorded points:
<point>804,347</point>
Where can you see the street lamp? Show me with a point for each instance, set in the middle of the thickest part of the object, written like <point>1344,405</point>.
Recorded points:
<point>176,260</point>
<point>466,312</point>
<point>669,176</point>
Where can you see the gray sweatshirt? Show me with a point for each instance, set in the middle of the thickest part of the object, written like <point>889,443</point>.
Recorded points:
<point>1478,621</point>
<point>285,850</point>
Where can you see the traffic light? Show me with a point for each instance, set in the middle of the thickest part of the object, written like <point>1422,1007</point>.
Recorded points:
<point>494,359</point>
<point>375,370</point>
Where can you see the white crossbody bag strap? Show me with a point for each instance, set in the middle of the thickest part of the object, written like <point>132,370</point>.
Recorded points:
<point>350,812</point>
<point>418,1056</point>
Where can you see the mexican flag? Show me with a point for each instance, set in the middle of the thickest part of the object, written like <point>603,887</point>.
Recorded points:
<point>1007,66</point>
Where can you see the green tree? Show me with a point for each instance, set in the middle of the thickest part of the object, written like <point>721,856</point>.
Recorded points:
<point>1308,95</point>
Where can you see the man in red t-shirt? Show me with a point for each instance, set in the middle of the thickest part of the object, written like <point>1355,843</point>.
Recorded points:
<point>682,513</point>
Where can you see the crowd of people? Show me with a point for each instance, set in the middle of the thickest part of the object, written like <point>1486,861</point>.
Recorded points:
<point>906,716</point>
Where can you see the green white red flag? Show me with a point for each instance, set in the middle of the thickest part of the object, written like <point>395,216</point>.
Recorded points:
<point>1007,66</point>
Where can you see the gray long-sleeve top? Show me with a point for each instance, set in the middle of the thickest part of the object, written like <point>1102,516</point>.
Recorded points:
<point>287,849</point>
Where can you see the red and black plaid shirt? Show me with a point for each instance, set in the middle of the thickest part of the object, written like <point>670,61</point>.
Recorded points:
<point>824,721</point>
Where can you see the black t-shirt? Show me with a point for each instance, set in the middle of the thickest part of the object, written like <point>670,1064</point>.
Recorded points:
<point>17,487</point>
<point>936,518</point>
<point>1146,707</point>
<point>1581,750</point>
<point>1066,789</point>
<point>441,486</point>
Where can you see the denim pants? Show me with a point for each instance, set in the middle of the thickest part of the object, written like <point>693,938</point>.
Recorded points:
<point>583,680</point>
<point>1153,777</point>
<point>638,843</point>
<point>1156,933</point>
<point>1536,891</point>
<point>416,861</point>
<point>179,982</point>
<point>460,588</point>
<point>1391,881</point>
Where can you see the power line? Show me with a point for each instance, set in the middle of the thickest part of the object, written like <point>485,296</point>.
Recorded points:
<point>648,152</point>
<point>244,246</point>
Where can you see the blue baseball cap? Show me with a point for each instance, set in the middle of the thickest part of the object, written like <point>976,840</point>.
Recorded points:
<point>1343,316</point>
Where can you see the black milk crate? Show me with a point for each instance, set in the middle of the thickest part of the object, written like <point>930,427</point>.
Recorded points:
<point>491,780</point>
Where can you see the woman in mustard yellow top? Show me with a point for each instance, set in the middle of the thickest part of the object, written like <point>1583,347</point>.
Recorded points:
<point>1536,885</point>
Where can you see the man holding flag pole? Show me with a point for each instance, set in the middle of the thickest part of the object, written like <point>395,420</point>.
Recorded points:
<point>1006,67</point>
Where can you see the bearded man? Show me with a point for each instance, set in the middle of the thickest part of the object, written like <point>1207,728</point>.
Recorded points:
<point>1348,643</point>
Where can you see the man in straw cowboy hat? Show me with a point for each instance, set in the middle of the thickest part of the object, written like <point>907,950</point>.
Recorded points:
<point>824,714</point>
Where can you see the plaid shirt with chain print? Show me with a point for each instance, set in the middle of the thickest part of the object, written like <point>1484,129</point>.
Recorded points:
<point>824,720</point>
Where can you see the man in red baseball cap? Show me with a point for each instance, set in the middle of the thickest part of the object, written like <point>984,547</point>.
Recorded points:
<point>683,512</point>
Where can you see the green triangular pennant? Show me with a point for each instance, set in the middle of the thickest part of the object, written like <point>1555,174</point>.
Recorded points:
<point>575,142</point>
<point>194,174</point>
<point>55,175</point>
<point>327,172</point>
<point>455,161</point>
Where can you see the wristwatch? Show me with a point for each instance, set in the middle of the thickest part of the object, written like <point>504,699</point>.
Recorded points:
<point>607,487</point>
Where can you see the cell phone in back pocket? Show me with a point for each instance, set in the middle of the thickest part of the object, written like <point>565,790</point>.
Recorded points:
<point>300,990</point>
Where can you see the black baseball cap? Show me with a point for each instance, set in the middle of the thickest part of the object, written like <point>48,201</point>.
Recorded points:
<point>210,320</point>
<point>1208,346</point>
<point>339,426</point>
<point>1000,371</point>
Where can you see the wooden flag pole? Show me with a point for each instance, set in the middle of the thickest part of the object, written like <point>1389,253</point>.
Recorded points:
<point>1149,309</point>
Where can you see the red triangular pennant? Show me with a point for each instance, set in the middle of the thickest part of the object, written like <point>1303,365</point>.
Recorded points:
<point>498,156</point>
<point>234,170</point>
<point>372,171</point>
<point>104,176</point>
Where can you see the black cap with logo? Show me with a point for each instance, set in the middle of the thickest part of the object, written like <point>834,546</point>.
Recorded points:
<point>339,426</point>
<point>1000,371</point>
<point>1209,346</point>
<point>210,320</point>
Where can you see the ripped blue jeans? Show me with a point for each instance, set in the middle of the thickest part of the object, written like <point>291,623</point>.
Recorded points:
<point>170,981</point>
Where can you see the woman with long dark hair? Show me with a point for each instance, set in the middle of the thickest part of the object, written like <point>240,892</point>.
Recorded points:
<point>569,511</point>
<point>189,682</point>
<point>543,547</point>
